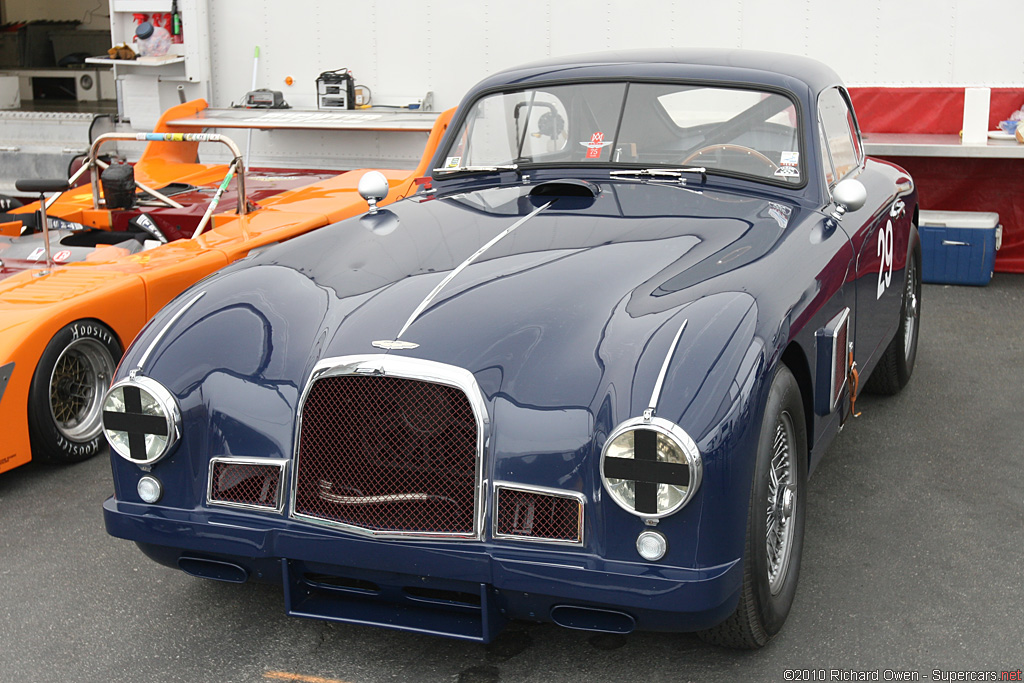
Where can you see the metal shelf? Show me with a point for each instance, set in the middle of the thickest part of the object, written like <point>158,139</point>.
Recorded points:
<point>921,145</point>
<point>313,119</point>
<point>144,62</point>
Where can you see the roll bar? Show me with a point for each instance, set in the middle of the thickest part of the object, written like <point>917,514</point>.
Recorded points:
<point>235,167</point>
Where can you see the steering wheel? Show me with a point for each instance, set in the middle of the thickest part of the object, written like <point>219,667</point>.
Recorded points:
<point>733,148</point>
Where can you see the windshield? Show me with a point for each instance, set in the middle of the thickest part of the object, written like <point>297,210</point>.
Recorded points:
<point>728,130</point>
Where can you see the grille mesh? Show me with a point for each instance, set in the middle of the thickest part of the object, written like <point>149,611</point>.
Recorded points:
<point>245,484</point>
<point>529,514</point>
<point>388,454</point>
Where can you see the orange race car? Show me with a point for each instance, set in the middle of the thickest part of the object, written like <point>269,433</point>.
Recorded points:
<point>74,296</point>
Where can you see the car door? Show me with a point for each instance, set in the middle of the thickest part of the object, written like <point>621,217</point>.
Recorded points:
<point>869,228</point>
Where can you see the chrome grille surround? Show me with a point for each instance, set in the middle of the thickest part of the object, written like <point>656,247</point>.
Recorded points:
<point>540,491</point>
<point>840,344</point>
<point>256,463</point>
<point>381,365</point>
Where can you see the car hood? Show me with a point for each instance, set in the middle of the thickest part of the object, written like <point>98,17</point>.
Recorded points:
<point>553,303</point>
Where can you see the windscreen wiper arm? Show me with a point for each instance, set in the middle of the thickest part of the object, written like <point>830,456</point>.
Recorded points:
<point>478,169</point>
<point>660,173</point>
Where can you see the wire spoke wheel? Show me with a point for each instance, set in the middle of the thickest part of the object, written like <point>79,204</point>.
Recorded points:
<point>910,310</point>
<point>896,365</point>
<point>775,521</point>
<point>781,503</point>
<point>79,378</point>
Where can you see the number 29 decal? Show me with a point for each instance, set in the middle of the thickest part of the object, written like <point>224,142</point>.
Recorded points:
<point>885,248</point>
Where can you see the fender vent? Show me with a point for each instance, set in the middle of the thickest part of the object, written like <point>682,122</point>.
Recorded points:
<point>832,345</point>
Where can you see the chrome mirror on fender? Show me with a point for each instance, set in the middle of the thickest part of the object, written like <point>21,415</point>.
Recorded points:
<point>848,195</point>
<point>373,187</point>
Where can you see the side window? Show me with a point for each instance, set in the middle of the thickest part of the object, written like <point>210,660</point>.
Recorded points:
<point>852,123</point>
<point>840,133</point>
<point>826,157</point>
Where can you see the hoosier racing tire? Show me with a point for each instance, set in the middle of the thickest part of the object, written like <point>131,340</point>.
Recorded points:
<point>65,403</point>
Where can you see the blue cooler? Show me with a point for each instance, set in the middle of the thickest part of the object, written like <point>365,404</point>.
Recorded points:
<point>959,247</point>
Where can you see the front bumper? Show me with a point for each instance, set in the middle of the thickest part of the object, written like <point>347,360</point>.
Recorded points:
<point>461,590</point>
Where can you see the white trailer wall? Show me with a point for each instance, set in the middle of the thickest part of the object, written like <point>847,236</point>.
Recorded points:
<point>407,47</point>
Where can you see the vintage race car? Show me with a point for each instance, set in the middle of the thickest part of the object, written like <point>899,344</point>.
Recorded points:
<point>66,314</point>
<point>582,377</point>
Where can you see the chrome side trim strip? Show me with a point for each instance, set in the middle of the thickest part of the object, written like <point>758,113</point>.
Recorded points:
<point>462,266</point>
<point>406,368</point>
<point>160,335</point>
<point>500,486</point>
<point>838,356</point>
<point>652,408</point>
<point>831,362</point>
<point>279,463</point>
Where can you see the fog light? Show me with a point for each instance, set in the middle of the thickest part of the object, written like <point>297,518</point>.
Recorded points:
<point>651,545</point>
<point>150,489</point>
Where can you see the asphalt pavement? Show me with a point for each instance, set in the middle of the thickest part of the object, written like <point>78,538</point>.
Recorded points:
<point>913,563</point>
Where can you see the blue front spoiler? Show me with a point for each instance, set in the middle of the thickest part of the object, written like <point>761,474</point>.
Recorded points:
<point>459,590</point>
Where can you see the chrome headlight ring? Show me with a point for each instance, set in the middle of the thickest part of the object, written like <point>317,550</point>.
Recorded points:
<point>141,420</point>
<point>650,467</point>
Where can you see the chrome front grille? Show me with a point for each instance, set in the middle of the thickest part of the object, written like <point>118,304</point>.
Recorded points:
<point>388,455</point>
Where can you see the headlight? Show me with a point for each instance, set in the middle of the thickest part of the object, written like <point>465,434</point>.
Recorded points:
<point>141,420</point>
<point>650,468</point>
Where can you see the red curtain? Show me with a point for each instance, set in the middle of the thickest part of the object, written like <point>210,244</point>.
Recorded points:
<point>925,110</point>
<point>953,183</point>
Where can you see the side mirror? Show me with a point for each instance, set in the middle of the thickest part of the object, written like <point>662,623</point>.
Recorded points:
<point>848,195</point>
<point>373,187</point>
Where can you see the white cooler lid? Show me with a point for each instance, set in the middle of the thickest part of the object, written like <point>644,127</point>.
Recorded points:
<point>960,219</point>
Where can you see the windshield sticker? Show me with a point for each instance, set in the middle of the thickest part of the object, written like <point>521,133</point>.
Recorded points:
<point>789,165</point>
<point>62,256</point>
<point>595,145</point>
<point>452,162</point>
<point>37,253</point>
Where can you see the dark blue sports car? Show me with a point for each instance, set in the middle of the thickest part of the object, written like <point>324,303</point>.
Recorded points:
<point>582,376</point>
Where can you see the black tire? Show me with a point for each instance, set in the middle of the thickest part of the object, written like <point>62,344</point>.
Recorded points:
<point>771,563</point>
<point>65,401</point>
<point>8,203</point>
<point>897,363</point>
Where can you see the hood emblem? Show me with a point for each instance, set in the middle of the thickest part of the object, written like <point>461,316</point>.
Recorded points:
<point>393,344</point>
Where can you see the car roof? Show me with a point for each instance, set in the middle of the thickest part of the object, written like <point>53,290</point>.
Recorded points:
<point>726,65</point>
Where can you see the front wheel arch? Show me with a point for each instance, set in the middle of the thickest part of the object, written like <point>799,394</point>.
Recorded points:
<point>768,587</point>
<point>795,359</point>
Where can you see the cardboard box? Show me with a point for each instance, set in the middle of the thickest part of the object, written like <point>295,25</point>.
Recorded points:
<point>959,247</point>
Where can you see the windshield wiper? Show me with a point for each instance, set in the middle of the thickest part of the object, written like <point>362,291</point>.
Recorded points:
<point>478,169</point>
<point>661,173</point>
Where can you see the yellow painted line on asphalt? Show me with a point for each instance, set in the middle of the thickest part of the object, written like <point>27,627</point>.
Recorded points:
<point>299,678</point>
